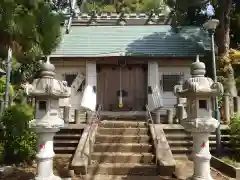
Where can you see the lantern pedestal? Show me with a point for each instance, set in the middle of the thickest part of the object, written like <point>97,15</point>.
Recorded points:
<point>201,156</point>
<point>45,152</point>
<point>201,129</point>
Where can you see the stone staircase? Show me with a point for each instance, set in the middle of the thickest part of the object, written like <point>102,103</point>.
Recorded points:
<point>123,148</point>
<point>66,140</point>
<point>181,142</point>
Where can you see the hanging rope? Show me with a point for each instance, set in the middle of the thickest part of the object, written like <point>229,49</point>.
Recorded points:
<point>120,92</point>
<point>120,85</point>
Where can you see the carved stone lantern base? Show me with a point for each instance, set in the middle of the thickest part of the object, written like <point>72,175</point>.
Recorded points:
<point>201,129</point>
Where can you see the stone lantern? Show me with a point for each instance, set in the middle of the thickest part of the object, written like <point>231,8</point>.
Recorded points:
<point>199,91</point>
<point>47,91</point>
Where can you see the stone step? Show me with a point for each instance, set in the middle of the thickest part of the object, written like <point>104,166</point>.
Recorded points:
<point>70,131</point>
<point>122,124</point>
<point>66,136</point>
<point>187,143</point>
<point>184,136</point>
<point>131,177</point>
<point>123,147</point>
<point>125,131</point>
<point>119,157</point>
<point>181,150</point>
<point>178,136</point>
<point>182,156</point>
<point>122,139</point>
<point>66,143</point>
<point>186,150</point>
<point>64,150</point>
<point>124,169</point>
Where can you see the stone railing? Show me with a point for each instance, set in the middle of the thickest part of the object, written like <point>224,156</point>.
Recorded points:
<point>79,116</point>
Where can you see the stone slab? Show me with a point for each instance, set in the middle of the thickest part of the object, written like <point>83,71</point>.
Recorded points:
<point>74,126</point>
<point>112,177</point>
<point>81,156</point>
<point>164,156</point>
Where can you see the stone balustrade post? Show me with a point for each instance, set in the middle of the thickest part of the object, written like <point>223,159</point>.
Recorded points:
<point>181,113</point>
<point>66,114</point>
<point>226,106</point>
<point>236,101</point>
<point>77,116</point>
<point>158,117</point>
<point>170,116</point>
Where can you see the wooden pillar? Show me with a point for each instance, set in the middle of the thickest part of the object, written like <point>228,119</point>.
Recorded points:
<point>226,106</point>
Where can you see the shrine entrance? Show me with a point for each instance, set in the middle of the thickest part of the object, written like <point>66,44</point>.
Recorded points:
<point>122,87</point>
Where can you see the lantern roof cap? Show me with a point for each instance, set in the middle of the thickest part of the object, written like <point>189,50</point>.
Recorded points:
<point>198,68</point>
<point>48,69</point>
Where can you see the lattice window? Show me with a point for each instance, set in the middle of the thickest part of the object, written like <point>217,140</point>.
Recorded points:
<point>170,80</point>
<point>82,86</point>
<point>70,78</point>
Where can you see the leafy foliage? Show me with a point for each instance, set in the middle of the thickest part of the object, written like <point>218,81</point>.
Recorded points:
<point>30,28</point>
<point>127,6</point>
<point>235,132</point>
<point>3,86</point>
<point>18,141</point>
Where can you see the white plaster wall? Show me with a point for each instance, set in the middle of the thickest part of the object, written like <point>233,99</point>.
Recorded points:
<point>169,99</point>
<point>91,73</point>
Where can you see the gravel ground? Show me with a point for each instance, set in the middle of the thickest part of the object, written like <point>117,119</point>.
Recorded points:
<point>61,165</point>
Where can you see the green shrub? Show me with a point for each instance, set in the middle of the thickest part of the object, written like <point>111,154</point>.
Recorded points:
<point>18,141</point>
<point>1,153</point>
<point>230,161</point>
<point>235,133</point>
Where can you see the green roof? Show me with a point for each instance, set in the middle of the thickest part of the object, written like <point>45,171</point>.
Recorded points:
<point>161,40</point>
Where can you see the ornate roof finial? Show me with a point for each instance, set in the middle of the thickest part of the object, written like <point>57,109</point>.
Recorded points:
<point>48,69</point>
<point>197,58</point>
<point>198,68</point>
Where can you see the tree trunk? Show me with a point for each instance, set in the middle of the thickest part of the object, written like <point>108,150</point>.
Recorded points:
<point>223,41</point>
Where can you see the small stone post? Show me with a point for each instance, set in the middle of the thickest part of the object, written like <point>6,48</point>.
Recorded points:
<point>236,101</point>
<point>47,91</point>
<point>66,114</point>
<point>170,116</point>
<point>180,106</point>
<point>226,107</point>
<point>66,105</point>
<point>199,91</point>
<point>77,116</point>
<point>158,117</point>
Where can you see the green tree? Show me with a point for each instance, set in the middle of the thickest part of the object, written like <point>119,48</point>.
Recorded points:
<point>227,36</point>
<point>30,28</point>
<point>18,141</point>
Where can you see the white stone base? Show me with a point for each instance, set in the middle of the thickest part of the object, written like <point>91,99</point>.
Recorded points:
<point>53,177</point>
<point>199,178</point>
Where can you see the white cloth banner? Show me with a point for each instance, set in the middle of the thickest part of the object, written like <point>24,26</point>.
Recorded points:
<point>89,98</point>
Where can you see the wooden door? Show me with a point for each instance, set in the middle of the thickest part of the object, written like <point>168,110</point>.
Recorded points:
<point>134,85</point>
<point>107,86</point>
<point>134,82</point>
